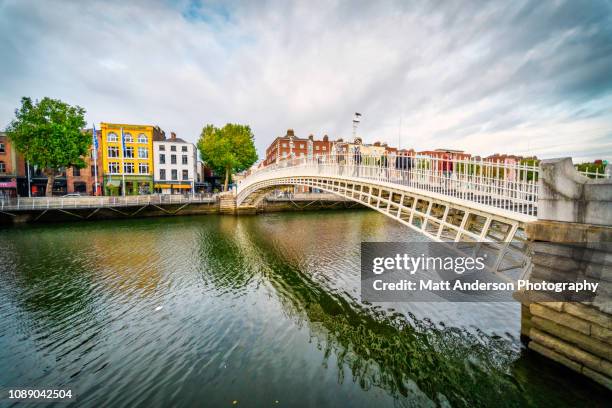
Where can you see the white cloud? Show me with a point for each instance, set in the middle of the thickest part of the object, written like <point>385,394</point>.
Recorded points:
<point>489,78</point>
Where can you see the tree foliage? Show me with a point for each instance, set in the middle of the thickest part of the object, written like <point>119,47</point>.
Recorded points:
<point>228,150</point>
<point>49,135</point>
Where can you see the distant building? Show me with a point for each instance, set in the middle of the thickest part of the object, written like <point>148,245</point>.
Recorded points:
<point>136,165</point>
<point>440,153</point>
<point>83,180</point>
<point>175,164</point>
<point>291,146</point>
<point>8,168</point>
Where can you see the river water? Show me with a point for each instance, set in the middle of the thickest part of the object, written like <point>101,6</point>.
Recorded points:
<point>249,311</point>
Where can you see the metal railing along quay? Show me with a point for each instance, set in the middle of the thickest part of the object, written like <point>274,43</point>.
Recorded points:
<point>42,203</point>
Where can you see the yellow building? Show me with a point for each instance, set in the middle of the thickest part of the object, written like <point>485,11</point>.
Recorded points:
<point>137,162</point>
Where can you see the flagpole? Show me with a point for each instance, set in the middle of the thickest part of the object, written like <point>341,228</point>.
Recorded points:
<point>122,163</point>
<point>29,180</point>
<point>95,145</point>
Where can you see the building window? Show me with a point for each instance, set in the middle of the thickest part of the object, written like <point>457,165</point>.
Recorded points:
<point>184,159</point>
<point>76,172</point>
<point>316,147</point>
<point>173,148</point>
<point>2,167</point>
<point>301,145</point>
<point>174,174</point>
<point>162,147</point>
<point>113,151</point>
<point>143,153</point>
<point>284,154</point>
<point>284,144</point>
<point>185,174</point>
<point>112,137</point>
<point>128,168</point>
<point>93,170</point>
<point>162,159</point>
<point>173,159</point>
<point>162,174</point>
<point>129,152</point>
<point>113,167</point>
<point>142,138</point>
<point>183,148</point>
<point>143,168</point>
<point>324,148</point>
<point>2,148</point>
<point>127,137</point>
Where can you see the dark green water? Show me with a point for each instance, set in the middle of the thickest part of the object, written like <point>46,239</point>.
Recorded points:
<point>260,310</point>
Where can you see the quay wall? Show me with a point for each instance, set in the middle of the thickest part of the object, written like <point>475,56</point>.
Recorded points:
<point>221,206</point>
<point>571,241</point>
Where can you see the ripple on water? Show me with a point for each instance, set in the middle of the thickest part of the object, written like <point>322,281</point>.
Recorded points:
<point>193,310</point>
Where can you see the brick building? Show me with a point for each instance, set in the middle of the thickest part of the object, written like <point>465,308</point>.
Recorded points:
<point>8,168</point>
<point>291,146</point>
<point>439,153</point>
<point>82,181</point>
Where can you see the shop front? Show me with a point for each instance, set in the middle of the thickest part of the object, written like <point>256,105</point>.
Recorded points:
<point>134,185</point>
<point>173,188</point>
<point>8,188</point>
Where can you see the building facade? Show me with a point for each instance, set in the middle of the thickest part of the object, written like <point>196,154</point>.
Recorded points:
<point>8,168</point>
<point>290,146</point>
<point>131,165</point>
<point>175,162</point>
<point>83,180</point>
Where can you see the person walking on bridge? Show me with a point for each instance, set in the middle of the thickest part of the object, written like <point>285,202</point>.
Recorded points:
<point>356,161</point>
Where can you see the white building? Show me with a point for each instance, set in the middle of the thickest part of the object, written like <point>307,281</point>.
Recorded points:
<point>174,166</point>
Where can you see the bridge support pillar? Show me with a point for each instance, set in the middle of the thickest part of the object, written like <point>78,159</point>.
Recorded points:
<point>572,238</point>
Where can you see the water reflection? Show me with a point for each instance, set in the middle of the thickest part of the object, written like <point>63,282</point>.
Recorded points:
<point>182,311</point>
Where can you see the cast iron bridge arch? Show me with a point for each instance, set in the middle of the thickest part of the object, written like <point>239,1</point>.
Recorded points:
<point>446,200</point>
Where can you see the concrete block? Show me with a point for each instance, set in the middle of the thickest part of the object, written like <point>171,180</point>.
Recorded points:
<point>597,377</point>
<point>565,195</point>
<point>601,333</point>
<point>582,341</point>
<point>588,313</point>
<point>553,355</point>
<point>563,319</point>
<point>566,349</point>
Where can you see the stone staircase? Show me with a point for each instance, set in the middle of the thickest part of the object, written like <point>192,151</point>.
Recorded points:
<point>227,203</point>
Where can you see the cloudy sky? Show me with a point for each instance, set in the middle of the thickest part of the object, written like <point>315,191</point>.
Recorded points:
<point>524,77</point>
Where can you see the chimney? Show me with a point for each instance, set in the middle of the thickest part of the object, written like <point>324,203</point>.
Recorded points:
<point>290,133</point>
<point>172,136</point>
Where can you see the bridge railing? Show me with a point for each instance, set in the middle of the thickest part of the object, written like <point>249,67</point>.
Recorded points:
<point>509,186</point>
<point>42,203</point>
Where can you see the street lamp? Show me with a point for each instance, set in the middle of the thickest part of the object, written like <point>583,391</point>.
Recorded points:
<point>356,120</point>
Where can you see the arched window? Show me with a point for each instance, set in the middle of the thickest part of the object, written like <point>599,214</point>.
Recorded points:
<point>128,138</point>
<point>111,137</point>
<point>142,138</point>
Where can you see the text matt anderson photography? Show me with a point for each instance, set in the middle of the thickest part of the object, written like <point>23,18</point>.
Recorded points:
<point>305,203</point>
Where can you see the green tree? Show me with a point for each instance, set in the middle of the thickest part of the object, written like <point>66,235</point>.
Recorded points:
<point>228,150</point>
<point>49,135</point>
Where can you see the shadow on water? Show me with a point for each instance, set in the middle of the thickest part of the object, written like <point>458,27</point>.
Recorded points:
<point>417,362</point>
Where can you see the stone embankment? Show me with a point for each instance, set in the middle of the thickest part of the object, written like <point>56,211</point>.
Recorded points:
<point>572,241</point>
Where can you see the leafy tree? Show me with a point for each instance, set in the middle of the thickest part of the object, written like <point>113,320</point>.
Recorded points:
<point>49,135</point>
<point>228,150</point>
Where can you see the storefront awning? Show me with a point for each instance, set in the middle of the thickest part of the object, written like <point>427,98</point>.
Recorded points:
<point>174,186</point>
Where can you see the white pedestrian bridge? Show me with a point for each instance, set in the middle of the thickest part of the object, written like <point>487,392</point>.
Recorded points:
<point>447,200</point>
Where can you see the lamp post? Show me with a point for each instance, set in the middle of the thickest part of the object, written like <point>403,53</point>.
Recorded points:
<point>356,120</point>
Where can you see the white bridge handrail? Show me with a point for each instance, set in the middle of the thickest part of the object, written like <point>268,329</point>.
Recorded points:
<point>508,186</point>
